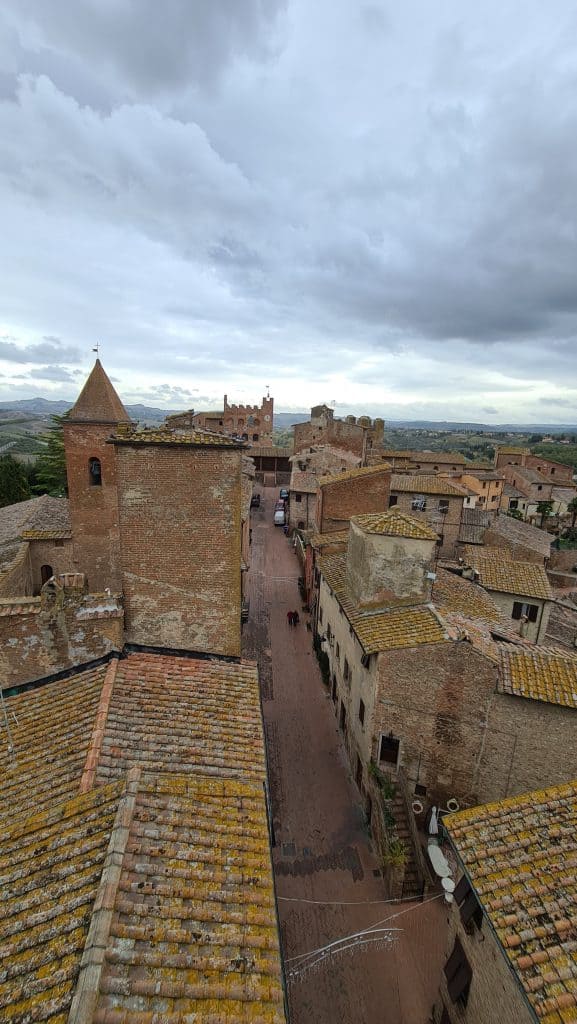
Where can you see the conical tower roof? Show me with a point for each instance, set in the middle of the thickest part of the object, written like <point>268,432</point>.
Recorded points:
<point>98,401</point>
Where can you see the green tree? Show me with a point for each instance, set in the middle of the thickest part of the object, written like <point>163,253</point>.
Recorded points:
<point>572,508</point>
<point>514,513</point>
<point>13,482</point>
<point>51,465</point>
<point>544,509</point>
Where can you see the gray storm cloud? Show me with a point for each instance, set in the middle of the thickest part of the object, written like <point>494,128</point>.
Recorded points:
<point>340,193</point>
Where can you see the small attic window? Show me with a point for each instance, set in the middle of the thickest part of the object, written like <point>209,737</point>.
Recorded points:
<point>94,472</point>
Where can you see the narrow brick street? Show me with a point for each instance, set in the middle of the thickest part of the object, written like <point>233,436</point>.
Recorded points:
<point>327,876</point>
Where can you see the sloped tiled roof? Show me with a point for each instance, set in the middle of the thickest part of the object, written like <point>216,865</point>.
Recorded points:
<point>520,855</point>
<point>539,675</point>
<point>454,594</point>
<point>394,524</point>
<point>517,532</point>
<point>506,449</point>
<point>193,934</point>
<point>195,438</point>
<point>43,514</point>
<point>474,522</point>
<point>385,629</point>
<point>509,577</point>
<point>98,401</point>
<point>50,869</point>
<point>455,458</point>
<point>321,540</point>
<point>352,474</point>
<point>427,483</point>
<point>51,728</point>
<point>179,919</point>
<point>470,552</point>
<point>192,714</point>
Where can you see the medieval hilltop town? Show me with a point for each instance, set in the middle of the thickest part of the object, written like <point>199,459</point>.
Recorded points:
<point>210,815</point>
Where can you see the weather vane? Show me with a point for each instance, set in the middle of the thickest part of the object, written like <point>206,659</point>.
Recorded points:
<point>268,391</point>
<point>96,348</point>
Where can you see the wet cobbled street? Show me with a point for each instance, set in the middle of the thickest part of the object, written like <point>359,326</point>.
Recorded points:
<point>328,878</point>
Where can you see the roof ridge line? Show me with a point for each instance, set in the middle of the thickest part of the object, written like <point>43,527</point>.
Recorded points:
<point>93,756</point>
<point>87,988</point>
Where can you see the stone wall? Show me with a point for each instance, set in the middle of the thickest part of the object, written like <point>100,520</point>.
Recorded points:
<point>529,744</point>
<point>180,525</point>
<point>16,575</point>
<point>62,628</point>
<point>494,994</point>
<point>360,436</point>
<point>59,554</point>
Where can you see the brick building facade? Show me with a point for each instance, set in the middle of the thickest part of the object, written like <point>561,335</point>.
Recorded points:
<point>91,473</point>
<point>252,423</point>
<point>434,688</point>
<point>557,472</point>
<point>350,493</point>
<point>360,435</point>
<point>180,539</point>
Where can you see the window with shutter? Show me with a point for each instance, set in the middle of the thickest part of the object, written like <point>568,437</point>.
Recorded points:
<point>458,974</point>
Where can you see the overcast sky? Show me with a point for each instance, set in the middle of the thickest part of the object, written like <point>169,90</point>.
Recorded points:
<point>368,203</point>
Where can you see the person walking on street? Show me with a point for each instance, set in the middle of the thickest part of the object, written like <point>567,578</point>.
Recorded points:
<point>290,618</point>
<point>296,619</point>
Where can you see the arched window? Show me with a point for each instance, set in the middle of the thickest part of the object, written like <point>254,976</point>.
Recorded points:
<point>94,472</point>
<point>46,573</point>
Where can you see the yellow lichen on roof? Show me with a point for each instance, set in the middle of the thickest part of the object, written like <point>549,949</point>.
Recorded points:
<point>512,450</point>
<point>504,575</point>
<point>51,728</point>
<point>520,855</point>
<point>194,919</point>
<point>539,675</point>
<point>50,867</point>
<point>352,474</point>
<point>185,714</point>
<point>394,524</point>
<point>454,594</point>
<point>387,628</point>
<point>195,438</point>
<point>426,484</point>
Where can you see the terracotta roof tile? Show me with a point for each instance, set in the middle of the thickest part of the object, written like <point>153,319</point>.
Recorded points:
<point>186,715</point>
<point>454,594</point>
<point>510,577</point>
<point>426,484</point>
<point>194,927</point>
<point>98,401</point>
<point>521,857</point>
<point>385,629</point>
<point>50,868</point>
<point>394,524</point>
<point>352,474</point>
<point>539,675</point>
<point>338,538</point>
<point>515,531</point>
<point>50,729</point>
<point>43,514</point>
<point>195,438</point>
<point>455,458</point>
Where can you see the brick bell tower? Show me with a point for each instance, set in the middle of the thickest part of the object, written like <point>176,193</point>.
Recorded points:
<point>92,487</point>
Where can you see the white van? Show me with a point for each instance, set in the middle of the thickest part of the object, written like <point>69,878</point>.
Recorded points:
<point>279,517</point>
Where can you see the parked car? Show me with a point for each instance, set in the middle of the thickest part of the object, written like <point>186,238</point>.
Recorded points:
<point>284,494</point>
<point>279,517</point>
<point>255,501</point>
